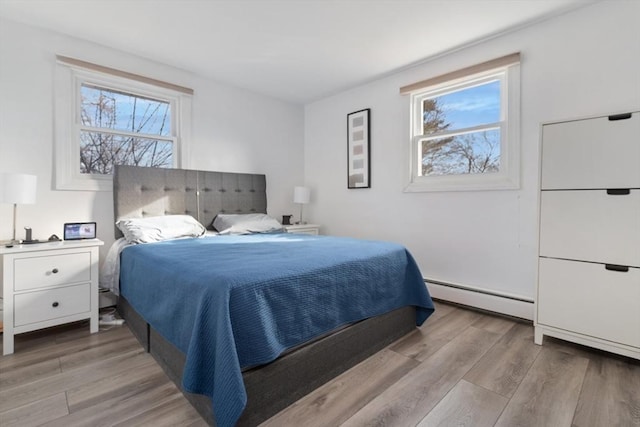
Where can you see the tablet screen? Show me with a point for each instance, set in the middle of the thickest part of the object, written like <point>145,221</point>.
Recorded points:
<point>80,230</point>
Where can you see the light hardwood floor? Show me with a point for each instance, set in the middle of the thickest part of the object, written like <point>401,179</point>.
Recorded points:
<point>461,368</point>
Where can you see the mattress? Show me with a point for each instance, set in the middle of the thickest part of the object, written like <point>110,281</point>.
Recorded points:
<point>229,302</point>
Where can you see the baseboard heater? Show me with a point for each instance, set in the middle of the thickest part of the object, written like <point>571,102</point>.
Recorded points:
<point>503,303</point>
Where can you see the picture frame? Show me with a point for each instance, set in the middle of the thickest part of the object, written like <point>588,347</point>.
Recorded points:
<point>359,149</point>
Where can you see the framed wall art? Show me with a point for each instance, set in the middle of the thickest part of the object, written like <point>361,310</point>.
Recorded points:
<point>358,149</point>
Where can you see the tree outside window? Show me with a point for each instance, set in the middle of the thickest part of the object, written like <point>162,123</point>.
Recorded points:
<point>465,128</point>
<point>461,131</point>
<point>119,128</point>
<point>106,117</point>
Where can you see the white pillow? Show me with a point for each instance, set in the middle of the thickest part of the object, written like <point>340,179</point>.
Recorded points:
<point>245,224</point>
<point>159,228</point>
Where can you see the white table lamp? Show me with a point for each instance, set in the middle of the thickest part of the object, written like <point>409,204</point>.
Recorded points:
<point>17,188</point>
<point>301,195</point>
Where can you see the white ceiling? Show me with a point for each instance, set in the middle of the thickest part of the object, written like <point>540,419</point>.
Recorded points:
<point>295,50</point>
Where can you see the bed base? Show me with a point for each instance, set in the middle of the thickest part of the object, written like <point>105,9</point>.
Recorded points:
<point>272,387</point>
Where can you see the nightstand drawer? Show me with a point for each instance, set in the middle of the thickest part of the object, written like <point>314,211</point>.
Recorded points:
<point>51,270</point>
<point>312,229</point>
<point>313,232</point>
<point>33,307</point>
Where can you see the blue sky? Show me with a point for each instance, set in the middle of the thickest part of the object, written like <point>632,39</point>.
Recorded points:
<point>148,111</point>
<point>467,108</point>
<point>472,106</point>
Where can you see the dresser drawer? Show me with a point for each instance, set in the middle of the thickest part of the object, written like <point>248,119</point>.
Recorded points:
<point>591,153</point>
<point>50,270</point>
<point>587,298</point>
<point>38,306</point>
<point>591,225</point>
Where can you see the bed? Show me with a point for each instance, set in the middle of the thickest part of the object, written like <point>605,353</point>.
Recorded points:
<point>254,322</point>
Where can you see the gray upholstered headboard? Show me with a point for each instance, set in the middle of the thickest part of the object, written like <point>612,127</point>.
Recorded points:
<point>140,191</point>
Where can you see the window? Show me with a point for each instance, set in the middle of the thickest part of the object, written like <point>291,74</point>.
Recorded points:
<point>118,128</point>
<point>464,129</point>
<point>106,117</point>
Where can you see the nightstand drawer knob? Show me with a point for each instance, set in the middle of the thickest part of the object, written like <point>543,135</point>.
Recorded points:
<point>55,304</point>
<point>54,271</point>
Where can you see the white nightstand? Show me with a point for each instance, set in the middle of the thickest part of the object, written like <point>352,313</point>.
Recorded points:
<point>303,229</point>
<point>48,284</point>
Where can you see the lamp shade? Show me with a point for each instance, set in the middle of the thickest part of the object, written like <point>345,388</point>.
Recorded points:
<point>301,195</point>
<point>18,188</point>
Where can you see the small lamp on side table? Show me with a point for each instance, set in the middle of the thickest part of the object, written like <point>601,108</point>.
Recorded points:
<point>17,188</point>
<point>301,195</point>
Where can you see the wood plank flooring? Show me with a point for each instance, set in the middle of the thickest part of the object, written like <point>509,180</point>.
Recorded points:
<point>461,368</point>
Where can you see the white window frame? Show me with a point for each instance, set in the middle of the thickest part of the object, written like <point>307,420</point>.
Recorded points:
<point>68,82</point>
<point>508,177</point>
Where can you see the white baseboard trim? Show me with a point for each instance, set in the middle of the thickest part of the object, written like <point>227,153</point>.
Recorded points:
<point>509,305</point>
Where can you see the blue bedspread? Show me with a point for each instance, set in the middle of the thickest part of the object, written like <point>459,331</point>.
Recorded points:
<point>229,302</point>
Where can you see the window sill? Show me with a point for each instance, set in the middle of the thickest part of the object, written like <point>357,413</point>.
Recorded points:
<point>83,182</point>
<point>488,182</point>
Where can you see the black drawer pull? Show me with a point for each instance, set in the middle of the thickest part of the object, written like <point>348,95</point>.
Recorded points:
<point>55,304</point>
<point>54,271</point>
<point>618,191</point>
<point>613,267</point>
<point>619,117</point>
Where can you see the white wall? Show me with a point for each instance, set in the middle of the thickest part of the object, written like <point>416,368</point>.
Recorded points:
<point>586,62</point>
<point>232,130</point>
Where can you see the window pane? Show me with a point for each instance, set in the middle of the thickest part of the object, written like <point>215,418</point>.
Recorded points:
<point>103,108</point>
<point>469,153</point>
<point>99,152</point>
<point>468,107</point>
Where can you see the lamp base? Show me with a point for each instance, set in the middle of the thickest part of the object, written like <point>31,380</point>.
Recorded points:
<point>10,243</point>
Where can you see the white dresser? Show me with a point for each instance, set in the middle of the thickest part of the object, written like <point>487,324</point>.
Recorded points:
<point>48,284</point>
<point>589,264</point>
